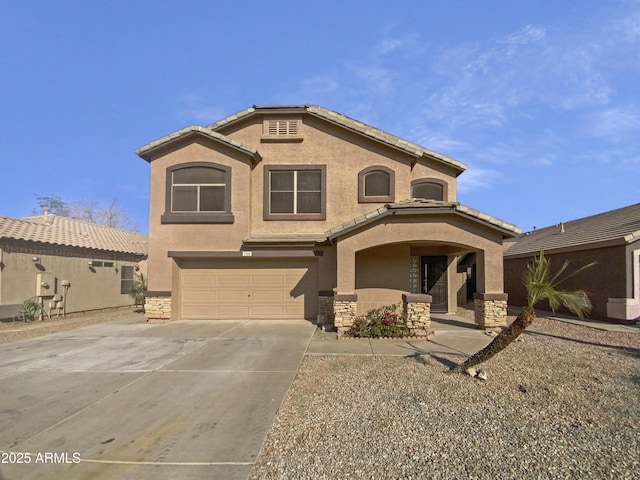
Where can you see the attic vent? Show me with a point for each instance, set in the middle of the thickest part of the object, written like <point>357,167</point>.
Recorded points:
<point>282,127</point>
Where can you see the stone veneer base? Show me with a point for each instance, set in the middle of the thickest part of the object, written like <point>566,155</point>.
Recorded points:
<point>490,310</point>
<point>157,308</point>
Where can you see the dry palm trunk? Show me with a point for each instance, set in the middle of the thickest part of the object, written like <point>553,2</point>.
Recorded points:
<point>500,342</point>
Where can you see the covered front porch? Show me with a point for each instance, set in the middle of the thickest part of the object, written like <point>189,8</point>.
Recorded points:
<point>426,257</point>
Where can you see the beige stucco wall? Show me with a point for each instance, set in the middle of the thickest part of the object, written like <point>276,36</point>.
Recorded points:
<point>436,229</point>
<point>382,276</point>
<point>345,154</point>
<point>90,289</point>
<point>185,237</point>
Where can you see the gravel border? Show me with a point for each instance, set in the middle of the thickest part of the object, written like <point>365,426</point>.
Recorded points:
<point>563,403</point>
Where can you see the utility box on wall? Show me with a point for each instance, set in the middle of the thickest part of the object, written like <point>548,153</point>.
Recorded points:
<point>46,284</point>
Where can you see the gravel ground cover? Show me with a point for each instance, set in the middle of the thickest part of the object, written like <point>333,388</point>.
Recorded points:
<point>562,404</point>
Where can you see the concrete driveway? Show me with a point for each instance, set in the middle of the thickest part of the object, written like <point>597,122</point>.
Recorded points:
<point>128,399</point>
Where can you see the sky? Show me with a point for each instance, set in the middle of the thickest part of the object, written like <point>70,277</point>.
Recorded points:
<point>541,99</point>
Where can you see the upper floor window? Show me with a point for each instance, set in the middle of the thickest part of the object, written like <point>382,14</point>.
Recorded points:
<point>294,192</point>
<point>428,189</point>
<point>198,192</point>
<point>376,184</point>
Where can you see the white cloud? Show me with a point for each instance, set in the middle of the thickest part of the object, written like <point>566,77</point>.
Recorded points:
<point>515,41</point>
<point>407,44</point>
<point>475,179</point>
<point>616,124</point>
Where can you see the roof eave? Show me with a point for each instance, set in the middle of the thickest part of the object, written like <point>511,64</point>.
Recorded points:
<point>506,229</point>
<point>406,147</point>
<point>149,151</point>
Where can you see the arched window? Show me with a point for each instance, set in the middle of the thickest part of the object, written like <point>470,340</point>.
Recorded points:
<point>376,184</point>
<point>429,189</point>
<point>198,192</point>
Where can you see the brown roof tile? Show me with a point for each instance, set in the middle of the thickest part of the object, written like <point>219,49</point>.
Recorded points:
<point>423,206</point>
<point>56,230</point>
<point>618,226</point>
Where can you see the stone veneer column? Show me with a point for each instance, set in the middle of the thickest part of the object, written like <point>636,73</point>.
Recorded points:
<point>490,309</point>
<point>417,308</point>
<point>344,311</point>
<point>157,305</point>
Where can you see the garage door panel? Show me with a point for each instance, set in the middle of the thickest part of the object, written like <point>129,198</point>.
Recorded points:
<point>198,312</point>
<point>241,289</point>
<point>231,311</point>
<point>198,296</point>
<point>267,311</point>
<point>267,279</point>
<point>293,309</point>
<point>233,295</point>
<point>268,295</point>
<point>199,280</point>
<point>226,279</point>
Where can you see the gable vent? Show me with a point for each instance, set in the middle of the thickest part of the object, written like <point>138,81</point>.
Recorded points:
<point>282,127</point>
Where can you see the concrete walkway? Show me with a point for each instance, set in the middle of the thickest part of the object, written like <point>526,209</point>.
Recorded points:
<point>454,335</point>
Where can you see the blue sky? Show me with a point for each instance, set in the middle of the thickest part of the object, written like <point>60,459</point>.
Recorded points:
<point>541,99</point>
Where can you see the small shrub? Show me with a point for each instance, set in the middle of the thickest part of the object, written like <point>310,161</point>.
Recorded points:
<point>31,309</point>
<point>380,322</point>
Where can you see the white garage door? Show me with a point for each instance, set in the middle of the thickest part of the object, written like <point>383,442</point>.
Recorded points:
<point>249,288</point>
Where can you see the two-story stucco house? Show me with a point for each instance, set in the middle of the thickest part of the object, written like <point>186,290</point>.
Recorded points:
<point>298,212</point>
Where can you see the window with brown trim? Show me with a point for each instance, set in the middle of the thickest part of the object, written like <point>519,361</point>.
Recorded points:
<point>376,184</point>
<point>294,192</point>
<point>429,189</point>
<point>198,192</point>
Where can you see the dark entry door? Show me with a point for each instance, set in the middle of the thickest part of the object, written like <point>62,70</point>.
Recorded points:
<point>434,281</point>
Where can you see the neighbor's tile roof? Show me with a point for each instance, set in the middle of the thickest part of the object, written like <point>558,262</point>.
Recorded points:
<point>423,206</point>
<point>56,230</point>
<point>619,226</point>
<point>145,150</point>
<point>351,124</point>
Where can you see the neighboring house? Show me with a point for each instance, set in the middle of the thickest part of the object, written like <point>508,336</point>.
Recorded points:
<point>298,211</point>
<point>67,265</point>
<point>612,239</point>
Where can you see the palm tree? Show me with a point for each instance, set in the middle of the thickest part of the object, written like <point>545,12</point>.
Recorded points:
<point>138,287</point>
<point>540,285</point>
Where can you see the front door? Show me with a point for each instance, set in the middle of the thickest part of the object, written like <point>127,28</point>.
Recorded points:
<point>434,281</point>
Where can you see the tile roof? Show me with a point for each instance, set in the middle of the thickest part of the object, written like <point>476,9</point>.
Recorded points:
<point>351,124</point>
<point>55,230</point>
<point>620,226</point>
<point>423,206</point>
<point>145,150</point>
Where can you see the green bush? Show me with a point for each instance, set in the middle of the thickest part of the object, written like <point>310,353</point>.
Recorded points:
<point>31,309</point>
<point>380,322</point>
